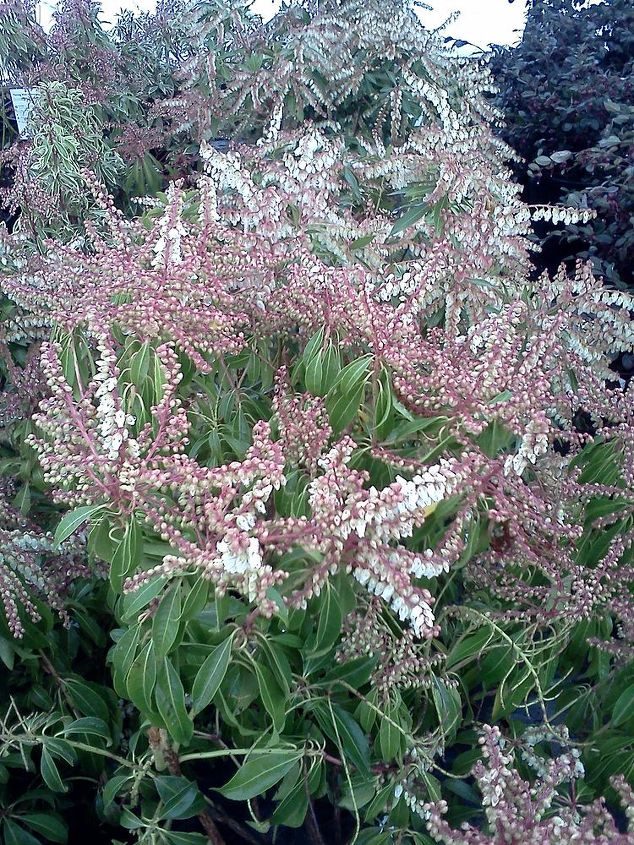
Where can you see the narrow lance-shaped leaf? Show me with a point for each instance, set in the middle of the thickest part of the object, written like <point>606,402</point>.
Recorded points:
<point>170,701</point>
<point>166,621</point>
<point>210,676</point>
<point>73,520</point>
<point>259,773</point>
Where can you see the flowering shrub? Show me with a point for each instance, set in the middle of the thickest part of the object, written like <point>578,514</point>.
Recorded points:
<point>325,431</point>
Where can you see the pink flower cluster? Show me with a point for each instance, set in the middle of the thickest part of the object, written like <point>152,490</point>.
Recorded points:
<point>532,814</point>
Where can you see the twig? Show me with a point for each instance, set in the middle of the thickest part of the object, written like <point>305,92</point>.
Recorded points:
<point>312,828</point>
<point>220,816</point>
<point>160,745</point>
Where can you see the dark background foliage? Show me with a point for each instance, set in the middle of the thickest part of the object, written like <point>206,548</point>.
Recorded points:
<point>567,93</point>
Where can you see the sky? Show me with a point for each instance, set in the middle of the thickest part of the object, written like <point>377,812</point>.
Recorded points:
<point>480,21</point>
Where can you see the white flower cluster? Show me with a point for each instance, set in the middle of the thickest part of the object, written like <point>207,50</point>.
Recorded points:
<point>411,608</point>
<point>542,766</point>
<point>113,420</point>
<point>228,175</point>
<point>388,516</point>
<point>243,560</point>
<point>437,97</point>
<point>534,443</point>
<point>167,249</point>
<point>563,214</point>
<point>239,561</point>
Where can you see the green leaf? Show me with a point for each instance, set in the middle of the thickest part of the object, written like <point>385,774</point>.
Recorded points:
<point>323,370</point>
<point>7,653</point>
<point>313,346</point>
<point>196,599</point>
<point>330,620</point>
<point>623,709</point>
<point>13,834</point>
<point>166,621</point>
<point>113,787</point>
<point>51,827</point>
<point>272,696</point>
<point>141,679</point>
<point>140,365</point>
<point>71,521</point>
<point>372,836</point>
<point>353,374</point>
<point>379,802</point>
<point>469,647</point>
<point>504,396</point>
<point>356,673</point>
<point>129,821</point>
<point>314,374</point>
<point>125,650</point>
<point>87,700</point>
<point>90,725</point>
<point>360,243</point>
<point>61,748</point>
<point>170,701</point>
<point>291,811</point>
<point>134,602</point>
<point>50,772</point>
<point>210,675</point>
<point>343,408</point>
<point>127,556</point>
<point>346,734</point>
<point>389,735</point>
<point>448,706</point>
<point>181,798</point>
<point>411,216</point>
<point>259,773</point>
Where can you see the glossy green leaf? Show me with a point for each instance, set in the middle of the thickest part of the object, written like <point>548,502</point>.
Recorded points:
<point>623,710</point>
<point>91,725</point>
<point>178,837</point>
<point>86,699</point>
<point>141,679</point>
<point>181,797</point>
<point>170,701</point>
<point>210,675</point>
<point>73,520</point>
<point>166,621</point>
<point>260,772</point>
<point>291,811</point>
<point>330,620</point>
<point>344,731</point>
<point>409,218</point>
<point>448,705</point>
<point>124,651</point>
<point>389,735</point>
<point>355,673</point>
<point>470,647</point>
<point>127,556</point>
<point>196,599</point>
<point>50,772</point>
<point>271,694</point>
<point>113,787</point>
<point>133,603</point>
<point>48,825</point>
<point>13,834</point>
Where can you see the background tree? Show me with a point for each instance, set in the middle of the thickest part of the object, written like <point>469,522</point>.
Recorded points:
<point>567,92</point>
